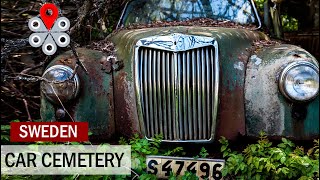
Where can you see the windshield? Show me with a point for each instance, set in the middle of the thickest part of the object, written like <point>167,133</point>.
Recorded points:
<point>148,11</point>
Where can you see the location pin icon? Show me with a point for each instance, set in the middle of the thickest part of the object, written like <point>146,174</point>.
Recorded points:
<point>49,13</point>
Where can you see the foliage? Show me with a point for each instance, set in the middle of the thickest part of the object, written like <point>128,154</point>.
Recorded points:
<point>264,161</point>
<point>140,148</point>
<point>5,133</point>
<point>174,152</point>
<point>203,153</point>
<point>259,4</point>
<point>289,23</point>
<point>187,176</point>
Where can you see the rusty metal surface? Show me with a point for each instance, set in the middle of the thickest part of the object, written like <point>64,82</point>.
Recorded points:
<point>231,112</point>
<point>266,108</point>
<point>95,101</point>
<point>126,116</point>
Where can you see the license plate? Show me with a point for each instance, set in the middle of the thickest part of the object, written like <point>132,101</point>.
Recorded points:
<point>162,166</point>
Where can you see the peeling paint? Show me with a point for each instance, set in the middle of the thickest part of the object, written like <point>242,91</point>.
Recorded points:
<point>239,65</point>
<point>257,61</point>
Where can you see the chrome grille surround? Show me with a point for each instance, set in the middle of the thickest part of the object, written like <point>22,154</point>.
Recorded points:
<point>178,124</point>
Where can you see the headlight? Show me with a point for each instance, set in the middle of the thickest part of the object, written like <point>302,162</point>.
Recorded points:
<point>58,86</point>
<point>299,81</point>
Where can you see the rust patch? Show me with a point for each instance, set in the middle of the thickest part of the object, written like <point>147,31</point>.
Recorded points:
<point>231,116</point>
<point>111,63</point>
<point>261,44</point>
<point>106,65</point>
<point>231,112</point>
<point>126,117</point>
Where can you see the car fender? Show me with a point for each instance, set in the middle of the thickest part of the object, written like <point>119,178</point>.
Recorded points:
<point>94,103</point>
<point>266,108</point>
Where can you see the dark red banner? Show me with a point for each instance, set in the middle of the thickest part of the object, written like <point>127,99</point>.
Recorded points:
<point>49,131</point>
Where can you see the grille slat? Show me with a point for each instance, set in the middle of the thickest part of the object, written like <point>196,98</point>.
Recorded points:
<point>173,97</point>
<point>184,96</point>
<point>154,93</point>
<point>190,122</point>
<point>145,88</point>
<point>203,88</point>
<point>150,87</point>
<point>164,93</point>
<point>178,97</point>
<point>177,92</point>
<point>168,77</point>
<point>212,80</point>
<point>160,118</point>
<point>209,86</point>
<point>194,94</point>
<point>200,121</point>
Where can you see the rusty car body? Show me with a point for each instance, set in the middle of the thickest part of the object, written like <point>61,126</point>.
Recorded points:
<point>188,83</point>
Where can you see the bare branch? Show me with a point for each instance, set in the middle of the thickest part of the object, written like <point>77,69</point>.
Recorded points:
<point>27,109</point>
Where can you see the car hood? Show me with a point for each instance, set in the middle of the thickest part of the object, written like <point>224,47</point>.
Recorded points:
<point>232,42</point>
<point>125,40</point>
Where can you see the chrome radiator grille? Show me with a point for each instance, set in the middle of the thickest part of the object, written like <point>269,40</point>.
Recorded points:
<point>176,92</point>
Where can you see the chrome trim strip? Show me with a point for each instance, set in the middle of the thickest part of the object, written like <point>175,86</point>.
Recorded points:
<point>175,42</point>
<point>257,14</point>
<point>186,158</point>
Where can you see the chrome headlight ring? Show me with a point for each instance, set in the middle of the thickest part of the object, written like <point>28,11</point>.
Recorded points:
<point>60,88</point>
<point>299,81</point>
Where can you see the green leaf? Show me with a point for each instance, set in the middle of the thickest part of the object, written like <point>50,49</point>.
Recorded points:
<point>225,154</point>
<point>257,177</point>
<point>249,160</point>
<point>256,163</point>
<point>285,170</point>
<point>253,148</point>
<point>5,138</point>
<point>284,140</point>
<point>223,148</point>
<point>5,127</point>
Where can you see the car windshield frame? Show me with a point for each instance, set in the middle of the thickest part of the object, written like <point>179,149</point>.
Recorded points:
<point>255,11</point>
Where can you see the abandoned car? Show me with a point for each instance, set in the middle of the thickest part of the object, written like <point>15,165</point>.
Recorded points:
<point>170,73</point>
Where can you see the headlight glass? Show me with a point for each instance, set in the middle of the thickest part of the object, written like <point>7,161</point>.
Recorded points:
<point>300,81</point>
<point>59,85</point>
